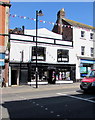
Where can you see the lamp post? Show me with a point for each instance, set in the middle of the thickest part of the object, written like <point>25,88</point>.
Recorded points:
<point>38,13</point>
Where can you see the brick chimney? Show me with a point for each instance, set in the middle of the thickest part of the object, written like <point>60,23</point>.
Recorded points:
<point>60,16</point>
<point>58,28</point>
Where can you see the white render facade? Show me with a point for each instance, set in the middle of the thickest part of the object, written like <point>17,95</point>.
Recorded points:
<point>88,42</point>
<point>21,55</point>
<point>51,48</point>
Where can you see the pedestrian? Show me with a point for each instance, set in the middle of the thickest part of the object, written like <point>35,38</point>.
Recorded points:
<point>3,83</point>
<point>1,80</point>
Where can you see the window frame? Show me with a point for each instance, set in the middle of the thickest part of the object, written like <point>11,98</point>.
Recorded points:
<point>92,52</point>
<point>63,57</point>
<point>91,36</point>
<point>82,34</point>
<point>40,56</point>
<point>82,50</point>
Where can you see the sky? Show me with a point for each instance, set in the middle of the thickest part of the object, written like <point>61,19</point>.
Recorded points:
<point>78,11</point>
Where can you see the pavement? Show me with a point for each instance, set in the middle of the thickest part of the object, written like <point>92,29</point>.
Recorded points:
<point>46,101</point>
<point>32,88</point>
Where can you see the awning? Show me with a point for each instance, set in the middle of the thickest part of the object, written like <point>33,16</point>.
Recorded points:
<point>87,61</point>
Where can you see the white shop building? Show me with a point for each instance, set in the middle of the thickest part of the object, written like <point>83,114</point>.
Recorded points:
<point>58,61</point>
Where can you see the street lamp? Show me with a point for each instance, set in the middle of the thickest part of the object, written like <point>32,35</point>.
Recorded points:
<point>38,13</point>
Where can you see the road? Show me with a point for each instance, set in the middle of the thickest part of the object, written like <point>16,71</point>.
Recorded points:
<point>48,102</point>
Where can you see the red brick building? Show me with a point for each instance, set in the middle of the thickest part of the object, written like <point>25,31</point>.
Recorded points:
<point>4,27</point>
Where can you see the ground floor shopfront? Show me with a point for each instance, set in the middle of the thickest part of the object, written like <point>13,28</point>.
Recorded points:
<point>85,66</point>
<point>24,73</point>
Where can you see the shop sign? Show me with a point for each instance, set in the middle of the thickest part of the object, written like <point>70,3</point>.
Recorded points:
<point>88,61</point>
<point>51,67</point>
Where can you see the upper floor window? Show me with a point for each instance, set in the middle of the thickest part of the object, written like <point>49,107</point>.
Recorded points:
<point>82,50</point>
<point>91,35</point>
<point>92,52</point>
<point>82,33</point>
<point>41,53</point>
<point>62,55</point>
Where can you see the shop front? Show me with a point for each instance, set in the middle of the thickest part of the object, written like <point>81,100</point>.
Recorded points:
<point>24,73</point>
<point>85,66</point>
<point>18,74</point>
<point>53,73</point>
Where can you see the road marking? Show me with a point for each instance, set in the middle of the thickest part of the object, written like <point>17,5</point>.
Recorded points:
<point>37,104</point>
<point>65,93</point>
<point>79,98</point>
<point>91,98</point>
<point>58,115</point>
<point>51,111</point>
<point>82,99</point>
<point>46,108</point>
<point>42,106</point>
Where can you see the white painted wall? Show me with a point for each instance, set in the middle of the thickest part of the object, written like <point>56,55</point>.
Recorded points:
<point>78,42</point>
<point>51,50</point>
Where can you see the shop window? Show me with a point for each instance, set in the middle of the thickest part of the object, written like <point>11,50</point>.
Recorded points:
<point>82,34</point>
<point>62,55</point>
<point>41,53</point>
<point>83,71</point>
<point>92,52</point>
<point>82,50</point>
<point>91,35</point>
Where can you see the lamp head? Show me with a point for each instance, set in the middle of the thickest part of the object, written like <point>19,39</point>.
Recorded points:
<point>40,13</point>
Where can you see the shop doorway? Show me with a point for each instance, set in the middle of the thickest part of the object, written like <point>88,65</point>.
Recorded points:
<point>51,76</point>
<point>14,77</point>
<point>23,77</point>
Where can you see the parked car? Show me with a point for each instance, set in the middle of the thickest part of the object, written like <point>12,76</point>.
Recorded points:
<point>88,83</point>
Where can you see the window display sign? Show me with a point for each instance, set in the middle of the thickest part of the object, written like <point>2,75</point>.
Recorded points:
<point>83,70</point>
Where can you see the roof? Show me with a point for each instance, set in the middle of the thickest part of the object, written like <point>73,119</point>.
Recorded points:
<point>78,24</point>
<point>43,32</point>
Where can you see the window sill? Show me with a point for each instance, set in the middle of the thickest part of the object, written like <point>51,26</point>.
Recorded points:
<point>82,38</point>
<point>91,40</point>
